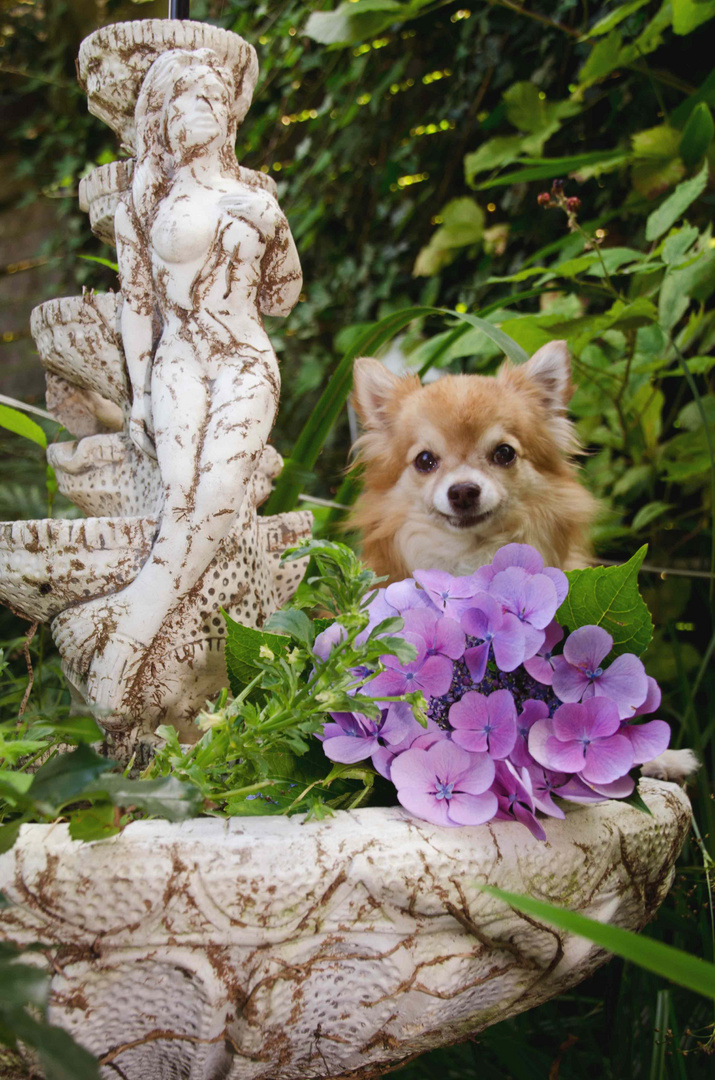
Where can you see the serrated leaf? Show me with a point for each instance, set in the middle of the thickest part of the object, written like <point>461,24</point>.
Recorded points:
<point>66,777</point>
<point>608,596</point>
<point>166,796</point>
<point>243,645</point>
<point>675,205</point>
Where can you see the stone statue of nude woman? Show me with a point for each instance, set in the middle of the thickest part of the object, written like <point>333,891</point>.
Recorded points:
<point>203,244</point>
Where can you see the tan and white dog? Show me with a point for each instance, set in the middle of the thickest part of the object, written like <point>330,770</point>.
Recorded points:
<point>458,468</point>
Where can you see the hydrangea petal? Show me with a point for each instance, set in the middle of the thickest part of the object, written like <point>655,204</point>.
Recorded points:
<point>624,681</point>
<point>476,661</point>
<point>648,740</point>
<point>509,644</point>
<point>563,756</point>
<point>587,646</point>
<point>568,682</point>
<point>467,809</point>
<point>522,555</point>
<point>347,749</point>
<point>607,760</point>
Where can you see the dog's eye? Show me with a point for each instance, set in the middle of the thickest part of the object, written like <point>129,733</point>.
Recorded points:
<point>504,454</point>
<point>426,461</point>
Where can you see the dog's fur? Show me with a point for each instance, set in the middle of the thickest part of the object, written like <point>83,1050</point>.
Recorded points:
<point>411,520</point>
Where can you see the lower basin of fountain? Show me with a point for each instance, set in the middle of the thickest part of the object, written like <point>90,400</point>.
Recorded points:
<point>277,948</point>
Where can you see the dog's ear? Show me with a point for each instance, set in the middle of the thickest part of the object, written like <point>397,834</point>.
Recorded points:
<point>376,391</point>
<point>547,376</point>
<point>550,371</point>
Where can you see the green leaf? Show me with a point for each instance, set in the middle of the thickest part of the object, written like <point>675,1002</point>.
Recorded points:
<point>293,622</point>
<point>607,23</point>
<point>688,15</point>
<point>72,729</point>
<point>648,513</point>
<point>673,964</point>
<point>608,596</point>
<point>66,777</point>
<point>97,822</point>
<point>243,645</point>
<point>21,984</point>
<point>102,262</point>
<point>17,422</point>
<point>697,135</point>
<point>463,225</point>
<point>166,796</point>
<point>658,164</point>
<point>602,60</point>
<point>8,835</point>
<point>507,344</point>
<point>528,109</point>
<point>60,1056</point>
<point>675,205</point>
<point>352,22</point>
<point>492,154</point>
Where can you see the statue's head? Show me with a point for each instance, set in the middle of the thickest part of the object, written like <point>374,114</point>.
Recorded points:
<point>191,102</point>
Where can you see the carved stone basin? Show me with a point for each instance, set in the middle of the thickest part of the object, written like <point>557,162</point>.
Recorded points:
<point>273,948</point>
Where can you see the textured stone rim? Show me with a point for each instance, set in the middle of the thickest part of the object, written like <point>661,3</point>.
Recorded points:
<point>335,948</point>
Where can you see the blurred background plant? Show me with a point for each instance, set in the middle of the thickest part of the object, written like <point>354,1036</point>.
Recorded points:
<point>544,165</point>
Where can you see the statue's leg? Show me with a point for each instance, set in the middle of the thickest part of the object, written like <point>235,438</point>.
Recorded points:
<point>210,433</point>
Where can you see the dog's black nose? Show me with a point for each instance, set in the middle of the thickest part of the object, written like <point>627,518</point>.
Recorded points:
<point>464,496</point>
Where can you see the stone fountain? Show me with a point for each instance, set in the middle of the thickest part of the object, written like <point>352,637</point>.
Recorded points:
<point>269,948</point>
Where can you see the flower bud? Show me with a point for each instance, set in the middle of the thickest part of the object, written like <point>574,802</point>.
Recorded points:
<point>544,199</point>
<point>573,204</point>
<point>557,187</point>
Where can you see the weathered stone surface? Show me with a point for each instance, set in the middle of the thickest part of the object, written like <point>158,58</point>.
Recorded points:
<point>276,949</point>
<point>171,387</point>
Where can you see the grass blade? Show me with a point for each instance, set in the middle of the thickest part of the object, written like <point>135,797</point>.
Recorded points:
<point>673,964</point>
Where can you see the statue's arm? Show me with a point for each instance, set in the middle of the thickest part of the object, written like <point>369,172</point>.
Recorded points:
<point>137,324</point>
<point>281,274</point>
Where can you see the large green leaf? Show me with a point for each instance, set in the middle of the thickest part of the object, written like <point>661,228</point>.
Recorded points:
<point>66,777</point>
<point>608,22</point>
<point>166,796</point>
<point>60,1056</point>
<point>356,20</point>
<point>673,964</point>
<point>675,205</point>
<point>608,596</point>
<point>20,424</point>
<point>688,15</point>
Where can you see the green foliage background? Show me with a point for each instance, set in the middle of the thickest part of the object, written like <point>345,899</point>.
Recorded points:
<point>410,142</point>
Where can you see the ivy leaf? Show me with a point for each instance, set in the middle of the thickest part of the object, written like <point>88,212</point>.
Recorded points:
<point>243,645</point>
<point>66,777</point>
<point>608,596</point>
<point>676,204</point>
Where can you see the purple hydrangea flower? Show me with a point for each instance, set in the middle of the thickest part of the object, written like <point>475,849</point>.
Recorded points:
<point>541,666</point>
<point>532,598</point>
<point>402,730</point>
<point>449,594</point>
<point>430,674</point>
<point>445,785</point>
<point>583,739</point>
<point>648,740</point>
<point>326,641</point>
<point>544,785</point>
<point>353,737</point>
<point>442,636</point>
<point>578,674</point>
<point>516,798</point>
<point>532,710</point>
<point>495,629</point>
<point>527,559</point>
<point>485,723</point>
<point>405,595</point>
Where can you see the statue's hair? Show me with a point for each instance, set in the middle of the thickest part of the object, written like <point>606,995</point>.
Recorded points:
<point>164,78</point>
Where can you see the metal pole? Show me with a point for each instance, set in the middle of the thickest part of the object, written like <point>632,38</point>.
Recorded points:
<point>179,9</point>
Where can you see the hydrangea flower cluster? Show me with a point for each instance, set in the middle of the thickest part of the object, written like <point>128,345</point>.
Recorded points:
<point>511,721</point>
